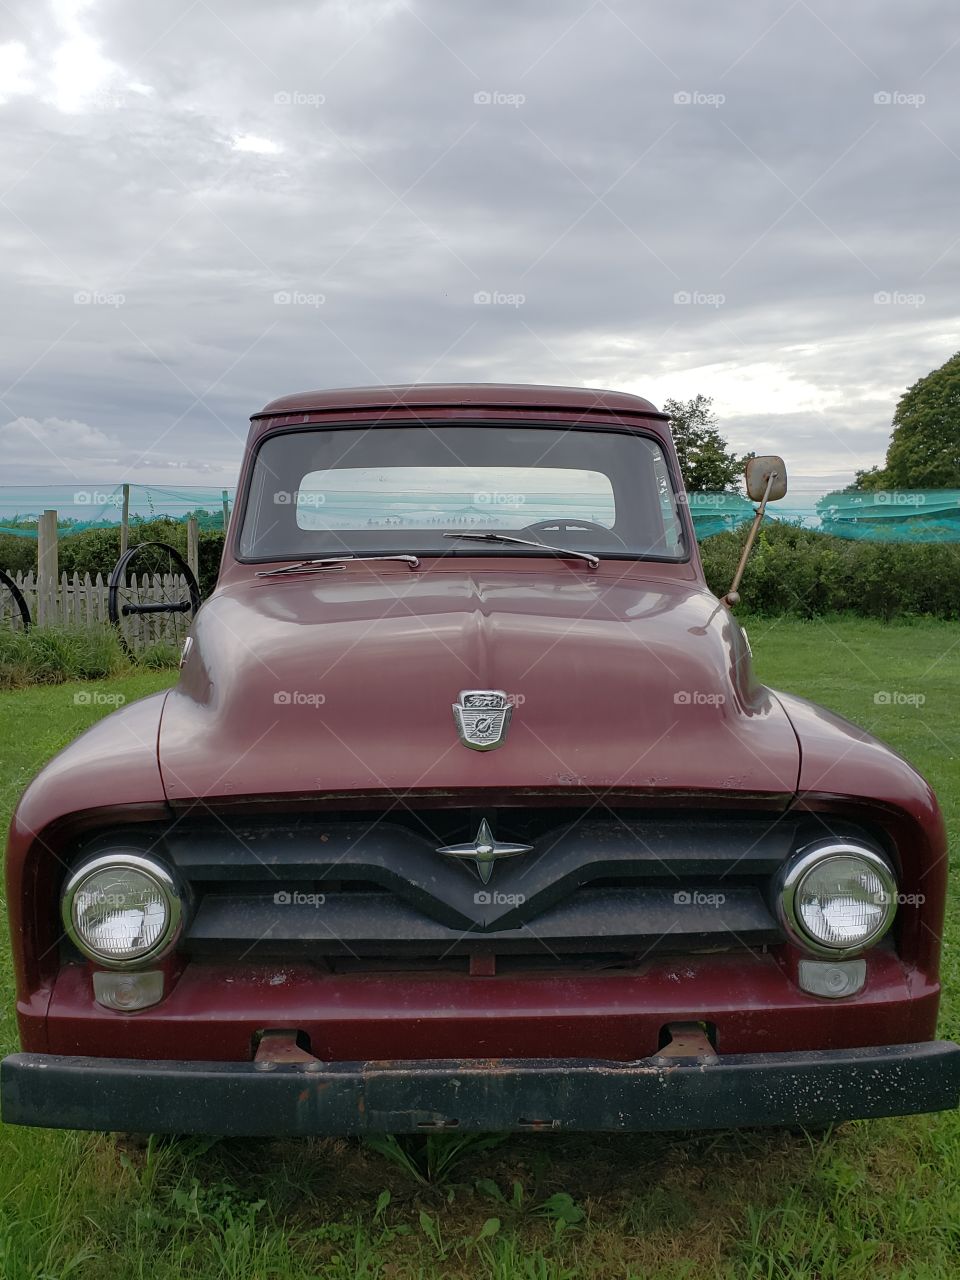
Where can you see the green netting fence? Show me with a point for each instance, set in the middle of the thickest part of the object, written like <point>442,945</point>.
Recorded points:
<point>101,507</point>
<point>893,515</point>
<point>917,515</point>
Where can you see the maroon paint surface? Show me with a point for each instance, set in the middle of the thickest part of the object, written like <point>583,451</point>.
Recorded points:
<point>215,1009</point>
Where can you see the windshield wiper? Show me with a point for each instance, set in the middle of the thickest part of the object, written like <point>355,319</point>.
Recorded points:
<point>332,562</point>
<point>564,552</point>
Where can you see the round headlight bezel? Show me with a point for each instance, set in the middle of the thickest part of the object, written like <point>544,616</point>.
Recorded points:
<point>813,857</point>
<point>124,861</point>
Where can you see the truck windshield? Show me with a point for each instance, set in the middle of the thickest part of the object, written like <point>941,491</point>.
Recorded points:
<point>324,490</point>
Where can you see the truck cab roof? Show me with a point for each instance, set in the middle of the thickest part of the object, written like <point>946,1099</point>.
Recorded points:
<point>480,395</point>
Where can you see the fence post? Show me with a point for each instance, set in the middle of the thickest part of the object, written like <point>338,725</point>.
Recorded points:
<point>226,509</point>
<point>47,565</point>
<point>193,546</point>
<point>125,521</point>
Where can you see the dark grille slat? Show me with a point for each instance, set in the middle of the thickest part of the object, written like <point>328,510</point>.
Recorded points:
<point>379,923</point>
<point>665,849</point>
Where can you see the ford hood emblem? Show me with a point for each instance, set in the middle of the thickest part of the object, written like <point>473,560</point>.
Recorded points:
<point>482,717</point>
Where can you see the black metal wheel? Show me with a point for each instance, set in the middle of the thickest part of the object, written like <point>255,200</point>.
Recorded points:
<point>14,609</point>
<point>152,596</point>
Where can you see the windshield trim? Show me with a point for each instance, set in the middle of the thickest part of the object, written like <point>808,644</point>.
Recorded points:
<point>478,548</point>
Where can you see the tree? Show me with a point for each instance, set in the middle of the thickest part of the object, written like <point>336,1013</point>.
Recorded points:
<point>924,450</point>
<point>707,465</point>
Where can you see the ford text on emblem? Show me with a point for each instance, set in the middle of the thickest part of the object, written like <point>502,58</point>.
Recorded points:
<point>482,717</point>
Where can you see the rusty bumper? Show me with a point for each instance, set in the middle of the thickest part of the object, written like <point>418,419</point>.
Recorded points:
<point>274,1098</point>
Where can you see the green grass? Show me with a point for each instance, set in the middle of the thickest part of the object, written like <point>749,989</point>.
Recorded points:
<point>874,1199</point>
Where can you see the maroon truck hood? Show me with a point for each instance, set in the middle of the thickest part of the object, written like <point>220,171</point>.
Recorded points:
<point>346,681</point>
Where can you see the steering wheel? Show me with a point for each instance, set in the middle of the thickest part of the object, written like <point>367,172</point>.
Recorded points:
<point>568,526</point>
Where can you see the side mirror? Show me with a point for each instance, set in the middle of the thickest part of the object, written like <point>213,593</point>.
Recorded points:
<point>766,479</point>
<point>758,472</point>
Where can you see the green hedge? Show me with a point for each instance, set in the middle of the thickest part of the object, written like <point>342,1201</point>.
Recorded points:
<point>98,550</point>
<point>800,572</point>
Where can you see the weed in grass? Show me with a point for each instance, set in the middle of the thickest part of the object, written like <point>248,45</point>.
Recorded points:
<point>158,656</point>
<point>431,1160</point>
<point>430,1226</point>
<point>508,1258</point>
<point>558,1208</point>
<point>383,1200</point>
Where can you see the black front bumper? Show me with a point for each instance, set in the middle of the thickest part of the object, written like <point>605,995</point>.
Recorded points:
<point>275,1099</point>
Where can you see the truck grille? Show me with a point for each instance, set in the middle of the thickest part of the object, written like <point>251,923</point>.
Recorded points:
<point>598,889</point>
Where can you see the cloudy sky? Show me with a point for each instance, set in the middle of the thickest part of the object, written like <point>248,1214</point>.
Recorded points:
<point>206,204</point>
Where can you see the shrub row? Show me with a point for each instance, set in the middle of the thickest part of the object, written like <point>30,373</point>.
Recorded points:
<point>53,655</point>
<point>804,573</point>
<point>98,550</point>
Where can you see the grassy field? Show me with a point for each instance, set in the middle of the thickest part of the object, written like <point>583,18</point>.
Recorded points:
<point>876,1199</point>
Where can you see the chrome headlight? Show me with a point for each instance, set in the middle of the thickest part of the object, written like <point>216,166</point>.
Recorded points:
<point>837,898</point>
<point>122,909</point>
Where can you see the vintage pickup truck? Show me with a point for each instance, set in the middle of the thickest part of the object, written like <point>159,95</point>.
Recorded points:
<point>467,810</point>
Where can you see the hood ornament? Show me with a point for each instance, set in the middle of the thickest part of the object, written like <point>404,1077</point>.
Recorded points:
<point>484,851</point>
<point>482,717</point>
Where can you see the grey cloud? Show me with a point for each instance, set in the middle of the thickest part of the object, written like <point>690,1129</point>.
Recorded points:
<point>398,197</point>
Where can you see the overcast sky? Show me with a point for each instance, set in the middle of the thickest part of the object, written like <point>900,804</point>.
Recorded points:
<point>205,204</point>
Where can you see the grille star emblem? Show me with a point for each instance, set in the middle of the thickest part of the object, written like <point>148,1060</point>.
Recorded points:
<point>484,851</point>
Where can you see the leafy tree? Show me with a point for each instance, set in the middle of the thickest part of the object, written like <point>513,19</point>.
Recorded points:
<point>707,465</point>
<point>924,451</point>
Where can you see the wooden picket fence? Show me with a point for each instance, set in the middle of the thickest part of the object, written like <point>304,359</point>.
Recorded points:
<point>82,602</point>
